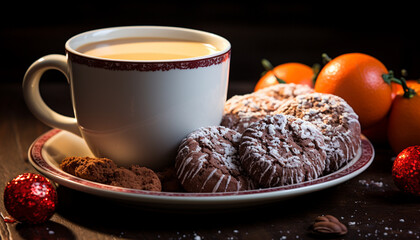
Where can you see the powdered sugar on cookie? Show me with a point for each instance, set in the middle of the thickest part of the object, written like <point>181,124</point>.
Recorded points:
<point>280,135</point>
<point>336,120</point>
<point>284,92</point>
<point>242,110</point>
<point>207,161</point>
<point>281,150</point>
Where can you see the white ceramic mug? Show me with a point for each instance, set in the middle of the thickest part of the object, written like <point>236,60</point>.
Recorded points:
<point>135,112</point>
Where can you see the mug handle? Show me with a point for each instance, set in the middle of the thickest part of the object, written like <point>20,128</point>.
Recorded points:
<point>33,97</point>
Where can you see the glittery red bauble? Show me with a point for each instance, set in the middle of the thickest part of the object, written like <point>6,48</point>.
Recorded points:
<point>406,170</point>
<point>30,198</point>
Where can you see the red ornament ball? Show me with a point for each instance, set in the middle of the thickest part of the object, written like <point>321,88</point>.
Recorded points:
<point>30,198</point>
<point>406,170</point>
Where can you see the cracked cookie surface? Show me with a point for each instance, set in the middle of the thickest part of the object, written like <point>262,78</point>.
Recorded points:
<point>284,92</point>
<point>337,121</point>
<point>208,161</point>
<point>281,150</point>
<point>242,110</point>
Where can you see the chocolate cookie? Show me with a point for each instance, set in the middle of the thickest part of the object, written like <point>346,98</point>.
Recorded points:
<point>284,92</point>
<point>136,177</point>
<point>104,170</point>
<point>280,150</point>
<point>92,169</point>
<point>242,110</point>
<point>207,161</point>
<point>336,120</point>
<point>169,180</point>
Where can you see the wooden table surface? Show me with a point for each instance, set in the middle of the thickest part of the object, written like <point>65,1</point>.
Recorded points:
<point>370,205</point>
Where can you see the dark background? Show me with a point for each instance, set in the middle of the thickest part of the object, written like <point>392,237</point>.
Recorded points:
<point>279,31</point>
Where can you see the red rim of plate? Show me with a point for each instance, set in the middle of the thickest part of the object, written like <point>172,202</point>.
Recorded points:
<point>40,163</point>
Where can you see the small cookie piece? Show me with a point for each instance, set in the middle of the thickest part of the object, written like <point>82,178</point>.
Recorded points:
<point>242,110</point>
<point>281,150</point>
<point>104,170</point>
<point>336,120</point>
<point>285,91</point>
<point>69,164</point>
<point>169,180</point>
<point>92,169</point>
<point>207,161</point>
<point>136,177</point>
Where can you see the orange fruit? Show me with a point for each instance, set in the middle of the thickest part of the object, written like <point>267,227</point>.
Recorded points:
<point>395,89</point>
<point>404,119</point>
<point>358,79</point>
<point>291,72</point>
<point>398,88</point>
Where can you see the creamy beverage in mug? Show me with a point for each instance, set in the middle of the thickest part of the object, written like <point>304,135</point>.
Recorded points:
<point>137,91</point>
<point>147,49</point>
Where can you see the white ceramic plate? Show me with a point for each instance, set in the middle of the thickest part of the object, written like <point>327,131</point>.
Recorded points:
<point>47,152</point>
